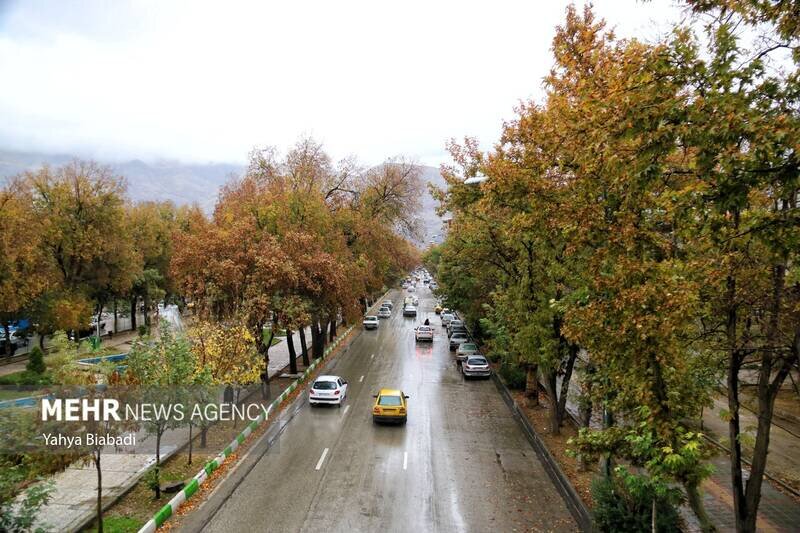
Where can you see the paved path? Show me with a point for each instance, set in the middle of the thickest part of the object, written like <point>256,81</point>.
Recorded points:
<point>461,463</point>
<point>74,497</point>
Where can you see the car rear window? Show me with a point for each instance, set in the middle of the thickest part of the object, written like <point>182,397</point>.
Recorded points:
<point>468,346</point>
<point>325,385</point>
<point>424,328</point>
<point>477,361</point>
<point>389,400</point>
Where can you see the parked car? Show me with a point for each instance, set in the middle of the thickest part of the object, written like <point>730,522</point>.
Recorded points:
<point>415,301</point>
<point>446,318</point>
<point>409,310</point>
<point>466,349</point>
<point>390,406</point>
<point>476,365</point>
<point>452,324</point>
<point>437,309</point>
<point>370,322</point>
<point>458,328</point>
<point>411,288</point>
<point>327,389</point>
<point>458,338</point>
<point>423,333</point>
<point>388,303</point>
<point>384,312</point>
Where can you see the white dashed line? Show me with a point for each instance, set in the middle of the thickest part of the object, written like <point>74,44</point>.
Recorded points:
<point>372,356</point>
<point>361,379</point>
<point>321,459</point>
<point>405,460</point>
<point>346,407</point>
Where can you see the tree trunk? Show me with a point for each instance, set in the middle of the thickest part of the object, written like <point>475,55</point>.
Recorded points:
<point>767,390</point>
<point>550,385</point>
<point>332,322</point>
<point>191,426</point>
<point>147,303</point>
<point>317,339</point>
<point>158,464</point>
<point>99,491</point>
<point>115,315</point>
<point>561,410</point>
<point>531,385</point>
<point>203,434</point>
<point>292,353</point>
<point>7,330</point>
<point>695,500</point>
<point>134,302</point>
<point>263,349</point>
<point>303,347</point>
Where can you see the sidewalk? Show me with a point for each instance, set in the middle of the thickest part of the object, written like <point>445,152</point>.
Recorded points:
<point>777,511</point>
<point>74,498</point>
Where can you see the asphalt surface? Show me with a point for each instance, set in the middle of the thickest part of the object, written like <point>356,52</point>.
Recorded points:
<point>461,463</point>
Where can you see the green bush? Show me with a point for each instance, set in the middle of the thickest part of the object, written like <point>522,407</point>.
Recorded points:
<point>36,361</point>
<point>513,375</point>
<point>142,330</point>
<point>624,503</point>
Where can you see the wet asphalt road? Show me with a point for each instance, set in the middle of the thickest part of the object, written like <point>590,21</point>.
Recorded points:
<point>461,463</point>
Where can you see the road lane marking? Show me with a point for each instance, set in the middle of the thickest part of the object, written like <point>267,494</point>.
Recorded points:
<point>361,379</point>
<point>321,459</point>
<point>405,460</point>
<point>346,407</point>
<point>372,356</point>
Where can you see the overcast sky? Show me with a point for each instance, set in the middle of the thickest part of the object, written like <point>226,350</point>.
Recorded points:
<point>207,81</point>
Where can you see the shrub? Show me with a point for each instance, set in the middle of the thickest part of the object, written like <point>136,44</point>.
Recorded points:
<point>623,502</point>
<point>36,361</point>
<point>142,330</point>
<point>513,375</point>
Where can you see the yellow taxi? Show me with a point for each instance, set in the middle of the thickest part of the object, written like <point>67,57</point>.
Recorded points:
<point>390,406</point>
<point>437,309</point>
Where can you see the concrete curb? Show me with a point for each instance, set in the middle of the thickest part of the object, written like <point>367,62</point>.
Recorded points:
<point>574,502</point>
<point>193,486</point>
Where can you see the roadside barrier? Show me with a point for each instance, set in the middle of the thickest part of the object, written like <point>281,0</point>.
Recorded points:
<point>193,486</point>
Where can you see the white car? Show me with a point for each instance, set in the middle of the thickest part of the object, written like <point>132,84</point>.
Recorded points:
<point>409,310</point>
<point>370,322</point>
<point>423,333</point>
<point>384,312</point>
<point>388,303</point>
<point>416,300</point>
<point>476,365</point>
<point>327,389</point>
<point>446,318</point>
<point>411,288</point>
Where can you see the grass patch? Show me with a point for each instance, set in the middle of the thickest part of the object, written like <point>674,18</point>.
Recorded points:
<point>119,524</point>
<point>26,378</point>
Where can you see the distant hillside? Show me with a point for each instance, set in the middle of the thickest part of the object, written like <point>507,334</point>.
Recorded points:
<point>163,180</point>
<point>190,183</point>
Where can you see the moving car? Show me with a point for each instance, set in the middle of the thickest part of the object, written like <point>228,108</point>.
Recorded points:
<point>388,303</point>
<point>390,406</point>
<point>458,338</point>
<point>446,318</point>
<point>327,389</point>
<point>370,322</point>
<point>466,349</point>
<point>476,365</point>
<point>437,309</point>
<point>416,301</point>
<point>384,312</point>
<point>423,333</point>
<point>409,310</point>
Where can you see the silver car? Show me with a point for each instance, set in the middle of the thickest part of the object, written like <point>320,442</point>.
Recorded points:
<point>458,338</point>
<point>476,366</point>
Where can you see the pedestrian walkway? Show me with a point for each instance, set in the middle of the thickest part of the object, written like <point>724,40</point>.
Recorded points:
<point>778,511</point>
<point>73,502</point>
